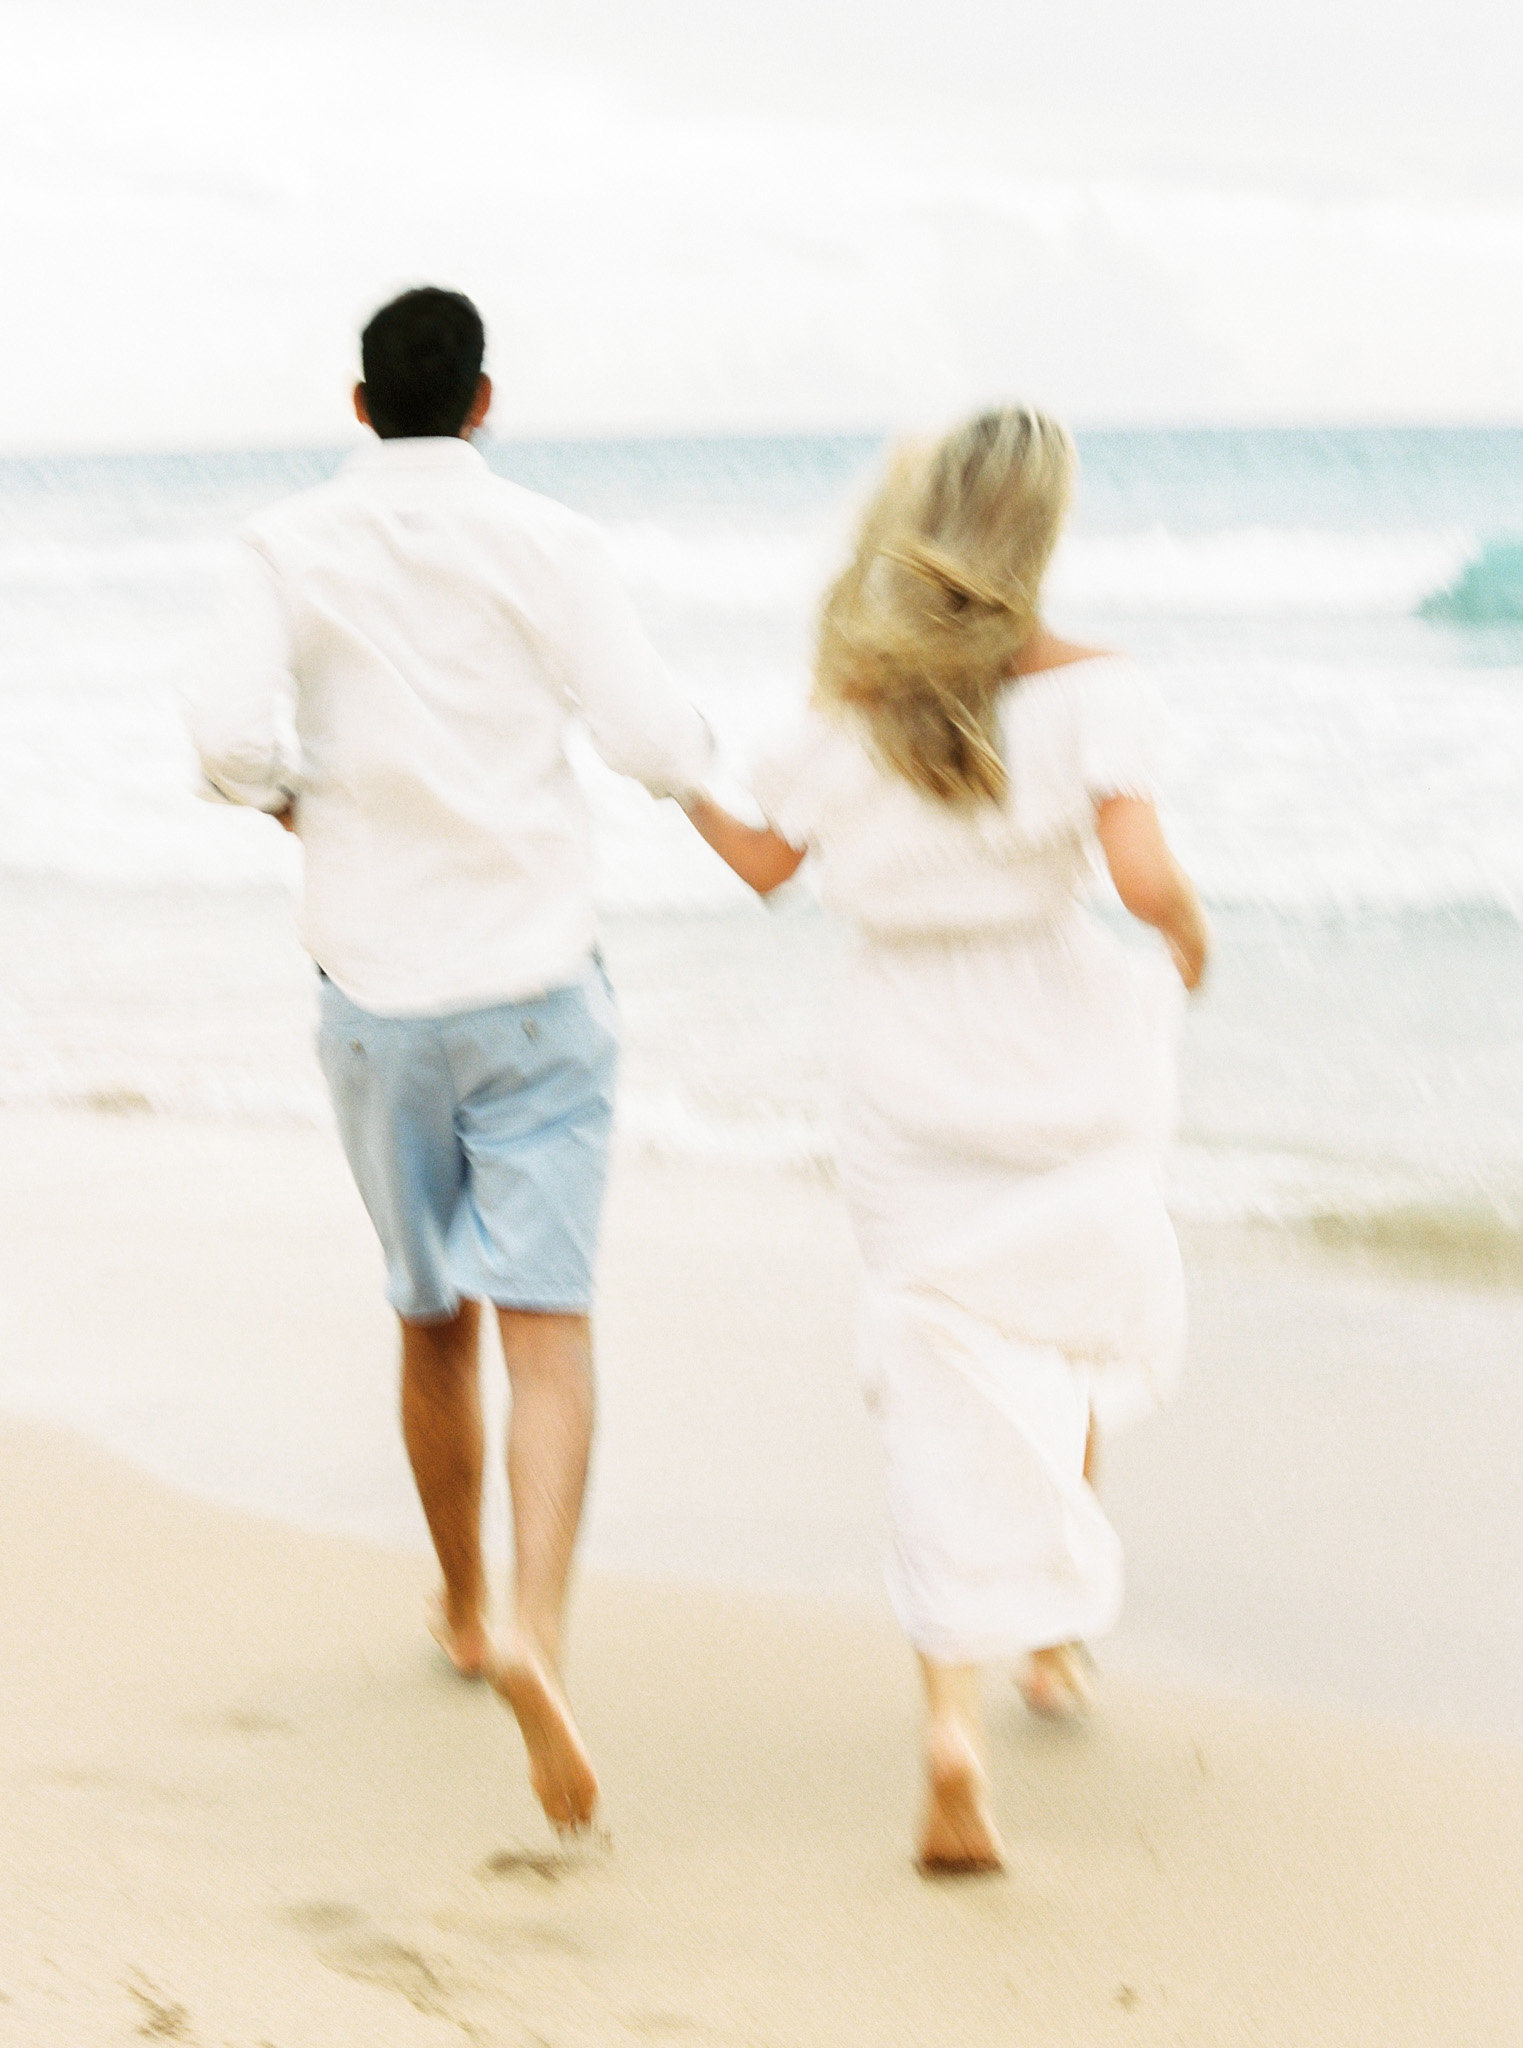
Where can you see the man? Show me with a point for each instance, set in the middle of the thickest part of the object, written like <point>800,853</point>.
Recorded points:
<point>416,637</point>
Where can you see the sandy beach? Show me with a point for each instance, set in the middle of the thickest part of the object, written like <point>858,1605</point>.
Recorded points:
<point>466,435</point>
<point>247,1804</point>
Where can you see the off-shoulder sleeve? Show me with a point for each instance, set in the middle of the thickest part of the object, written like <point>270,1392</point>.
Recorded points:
<point>1121,715</point>
<point>789,779</point>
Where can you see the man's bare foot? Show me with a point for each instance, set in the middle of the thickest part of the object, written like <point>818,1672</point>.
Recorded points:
<point>1058,1682</point>
<point>468,1647</point>
<point>960,1837</point>
<point>560,1769</point>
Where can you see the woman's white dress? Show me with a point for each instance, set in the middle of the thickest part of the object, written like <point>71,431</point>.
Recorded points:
<point>1004,1093</point>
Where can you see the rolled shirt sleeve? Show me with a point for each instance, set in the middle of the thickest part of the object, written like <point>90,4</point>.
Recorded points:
<point>639,722</point>
<point>241,720</point>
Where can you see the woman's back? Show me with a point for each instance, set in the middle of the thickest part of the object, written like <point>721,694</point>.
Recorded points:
<point>900,863</point>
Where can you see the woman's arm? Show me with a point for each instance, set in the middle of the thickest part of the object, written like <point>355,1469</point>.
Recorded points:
<point>1152,884</point>
<point>757,856</point>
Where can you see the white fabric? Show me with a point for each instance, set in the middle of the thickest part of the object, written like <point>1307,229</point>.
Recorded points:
<point>1004,1093</point>
<point>426,632</point>
<point>896,861</point>
<point>998,1544</point>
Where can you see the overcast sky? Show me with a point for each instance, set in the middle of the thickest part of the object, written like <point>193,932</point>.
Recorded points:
<point>693,214</point>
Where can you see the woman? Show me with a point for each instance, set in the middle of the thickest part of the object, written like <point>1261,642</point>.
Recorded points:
<point>1005,1065</point>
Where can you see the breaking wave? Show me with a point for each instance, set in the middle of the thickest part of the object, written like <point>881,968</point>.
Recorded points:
<point>1241,573</point>
<point>1488,591</point>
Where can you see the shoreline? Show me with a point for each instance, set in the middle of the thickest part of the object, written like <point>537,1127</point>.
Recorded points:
<point>1396,1150</point>
<point>1326,1514</point>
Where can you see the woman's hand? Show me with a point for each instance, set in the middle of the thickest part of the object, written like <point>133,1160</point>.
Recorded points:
<point>1190,955</point>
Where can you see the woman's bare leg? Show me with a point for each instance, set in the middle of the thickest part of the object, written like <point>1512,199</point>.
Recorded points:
<point>1057,1683</point>
<point>959,1833</point>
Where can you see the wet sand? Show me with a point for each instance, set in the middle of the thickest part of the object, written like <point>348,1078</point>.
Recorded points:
<point>247,1804</point>
<point>1330,1509</point>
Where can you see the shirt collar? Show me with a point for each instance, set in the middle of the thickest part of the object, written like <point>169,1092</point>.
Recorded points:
<point>415,451</point>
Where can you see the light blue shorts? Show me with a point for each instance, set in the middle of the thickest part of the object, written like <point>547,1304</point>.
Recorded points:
<point>479,1143</point>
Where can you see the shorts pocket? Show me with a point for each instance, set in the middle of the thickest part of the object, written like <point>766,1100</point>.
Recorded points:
<point>343,1033</point>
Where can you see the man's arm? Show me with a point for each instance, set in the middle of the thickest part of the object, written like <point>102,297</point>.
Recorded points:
<point>760,856</point>
<point>240,721</point>
<point>639,722</point>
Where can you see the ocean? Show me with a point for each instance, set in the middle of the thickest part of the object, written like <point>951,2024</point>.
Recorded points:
<point>1335,622</point>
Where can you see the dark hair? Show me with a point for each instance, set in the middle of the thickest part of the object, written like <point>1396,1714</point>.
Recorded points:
<point>422,357</point>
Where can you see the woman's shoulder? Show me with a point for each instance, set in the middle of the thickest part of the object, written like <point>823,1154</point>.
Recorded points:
<point>1087,678</point>
<point>1049,654</point>
<point>1081,729</point>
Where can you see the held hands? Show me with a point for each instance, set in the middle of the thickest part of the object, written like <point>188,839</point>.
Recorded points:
<point>757,855</point>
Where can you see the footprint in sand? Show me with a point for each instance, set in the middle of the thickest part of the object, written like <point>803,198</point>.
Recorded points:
<point>526,1863</point>
<point>590,1849</point>
<point>248,1721</point>
<point>164,2019</point>
<point>321,1916</point>
<point>394,1966</point>
<point>141,1796</point>
<point>508,1936</point>
<point>348,1945</point>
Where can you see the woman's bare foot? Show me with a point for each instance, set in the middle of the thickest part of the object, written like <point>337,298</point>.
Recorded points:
<point>467,1645</point>
<point>960,1837</point>
<point>1058,1682</point>
<point>560,1769</point>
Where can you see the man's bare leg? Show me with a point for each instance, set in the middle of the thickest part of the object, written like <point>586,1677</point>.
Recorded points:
<point>549,1360</point>
<point>959,1834</point>
<point>441,1426</point>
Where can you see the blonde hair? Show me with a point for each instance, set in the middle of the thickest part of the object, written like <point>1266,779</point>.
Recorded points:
<point>923,630</point>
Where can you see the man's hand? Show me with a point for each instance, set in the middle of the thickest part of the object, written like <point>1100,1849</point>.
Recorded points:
<point>759,857</point>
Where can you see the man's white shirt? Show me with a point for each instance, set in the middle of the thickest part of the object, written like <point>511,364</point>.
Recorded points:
<point>412,642</point>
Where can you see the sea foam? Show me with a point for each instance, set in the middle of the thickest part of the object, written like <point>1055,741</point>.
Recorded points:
<point>1337,763</point>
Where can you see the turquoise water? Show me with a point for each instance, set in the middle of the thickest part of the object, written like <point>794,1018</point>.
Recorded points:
<point>1334,622</point>
<point>1487,592</point>
<point>1194,479</point>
